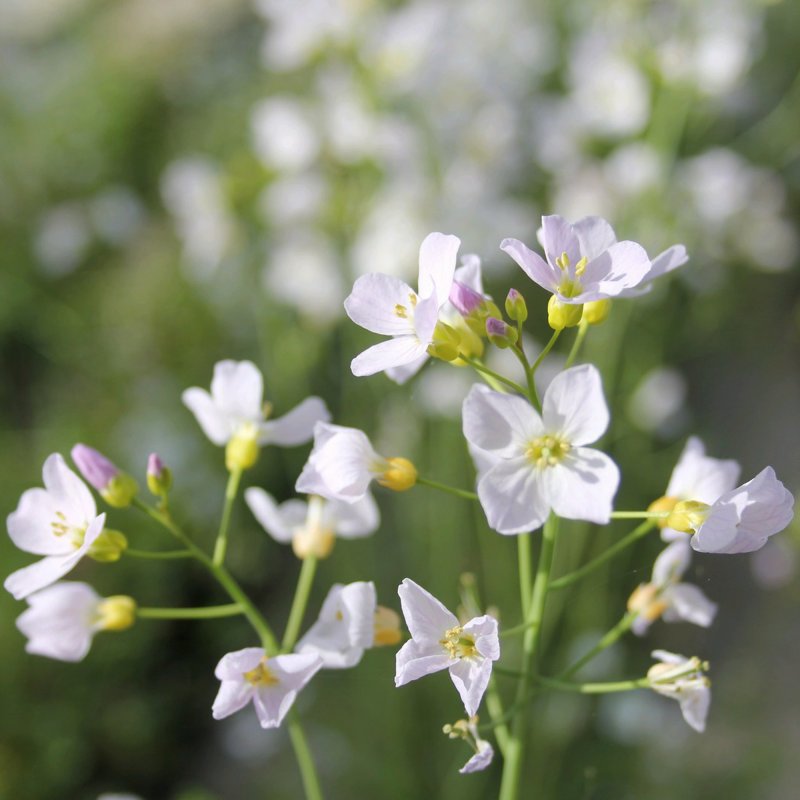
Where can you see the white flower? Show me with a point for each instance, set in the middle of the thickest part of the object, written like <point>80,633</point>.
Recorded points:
<point>468,731</point>
<point>343,463</point>
<point>742,520</point>
<point>271,683</point>
<point>346,626</point>
<point>63,618</point>
<point>389,306</point>
<point>683,680</point>
<point>666,597</point>
<point>312,527</point>
<point>531,464</point>
<point>439,641</point>
<point>234,413</point>
<point>59,522</point>
<point>585,262</point>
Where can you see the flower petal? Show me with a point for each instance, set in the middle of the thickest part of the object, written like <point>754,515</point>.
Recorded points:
<point>480,760</point>
<point>296,427</point>
<point>595,236</point>
<point>426,617</point>
<point>688,603</point>
<point>69,492</point>
<point>30,526</point>
<point>395,352</point>
<point>510,497</point>
<point>534,266</point>
<point>232,666</point>
<point>469,273</point>
<point>695,703</point>
<point>375,300</point>
<point>238,389</point>
<point>232,696</point>
<point>405,372</point>
<point>215,423</point>
<point>437,264</point>
<point>699,477</point>
<point>558,237</point>
<point>352,520</point>
<point>623,266</point>
<point>672,562</point>
<point>414,661</point>
<point>271,516</point>
<point>41,573</point>
<point>471,677</point>
<point>574,405</point>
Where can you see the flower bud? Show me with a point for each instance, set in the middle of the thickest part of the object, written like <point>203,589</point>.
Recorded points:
<point>117,488</point>
<point>159,477</point>
<point>446,342</point>
<point>563,315</point>
<point>662,505</point>
<point>241,452</point>
<point>500,334</point>
<point>108,546</point>
<point>645,602</point>
<point>465,299</point>
<point>116,613</point>
<point>688,516</point>
<point>399,476</point>
<point>516,308</point>
<point>596,312</point>
<point>387,627</point>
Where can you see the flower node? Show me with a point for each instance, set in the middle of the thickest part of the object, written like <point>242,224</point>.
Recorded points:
<point>261,675</point>
<point>457,644</point>
<point>547,451</point>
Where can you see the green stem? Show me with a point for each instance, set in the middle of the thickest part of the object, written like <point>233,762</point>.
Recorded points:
<point>612,636</point>
<point>515,748</point>
<point>595,688</point>
<point>634,536</point>
<point>156,554</point>
<point>525,581</point>
<point>656,515</point>
<point>547,348</point>
<point>222,537</point>
<point>305,761</point>
<point>477,365</point>
<point>532,393</point>
<point>583,327</point>
<point>209,612</point>
<point>304,582</point>
<point>464,493</point>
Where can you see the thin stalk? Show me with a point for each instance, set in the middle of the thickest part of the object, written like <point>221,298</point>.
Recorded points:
<point>595,688</point>
<point>305,760</point>
<point>656,515</point>
<point>634,536</point>
<point>547,348</point>
<point>525,580</point>
<point>221,544</point>
<point>532,393</point>
<point>209,612</point>
<point>611,637</point>
<point>158,554</point>
<point>583,327</point>
<point>477,365</point>
<point>442,487</point>
<point>304,582</point>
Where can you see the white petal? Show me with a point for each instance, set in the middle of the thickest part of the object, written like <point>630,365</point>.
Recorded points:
<point>694,707</point>
<point>295,670</point>
<point>581,486</point>
<point>272,704</point>
<point>41,573</point>
<point>395,352</point>
<point>623,266</point>
<point>413,662</point>
<point>232,696</point>
<point>574,405</point>
<point>484,631</point>
<point>232,666</point>
<point>698,477</point>
<point>374,301</point>
<point>480,760</point>
<point>469,273</point>
<point>271,516</point>
<point>672,258</point>
<point>30,526</point>
<point>352,520</point>
<point>558,237</point>
<point>296,427</point>
<point>426,617</point>
<point>471,677</point>
<point>215,423</point>
<point>672,562</point>
<point>69,492</point>
<point>501,424</point>
<point>405,372</point>
<point>510,497</point>
<point>238,389</point>
<point>534,266</point>
<point>437,264</point>
<point>688,603</point>
<point>595,236</point>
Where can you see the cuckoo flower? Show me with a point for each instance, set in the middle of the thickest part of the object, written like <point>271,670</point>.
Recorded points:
<point>683,680</point>
<point>116,487</point>
<point>585,262</point>
<point>343,463</point>
<point>467,729</point>
<point>666,597</point>
<point>439,641</point>
<point>59,522</point>
<point>386,305</point>
<point>271,684</point>
<point>234,414</point>
<point>313,527</point>
<point>63,618</point>
<point>529,464</point>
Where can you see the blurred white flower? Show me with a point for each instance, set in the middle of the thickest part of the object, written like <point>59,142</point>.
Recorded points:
<point>284,134</point>
<point>658,399</point>
<point>683,680</point>
<point>62,239</point>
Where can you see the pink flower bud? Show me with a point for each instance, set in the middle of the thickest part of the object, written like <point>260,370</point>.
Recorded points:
<point>94,466</point>
<point>466,300</point>
<point>155,466</point>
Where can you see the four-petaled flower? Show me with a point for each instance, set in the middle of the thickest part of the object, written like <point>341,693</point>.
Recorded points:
<point>439,641</point>
<point>59,522</point>
<point>529,464</point>
<point>271,684</point>
<point>683,680</point>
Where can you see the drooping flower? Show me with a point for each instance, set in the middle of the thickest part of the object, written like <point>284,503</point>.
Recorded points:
<point>63,618</point>
<point>349,623</point>
<point>468,731</point>
<point>585,262</point>
<point>343,463</point>
<point>439,641</point>
<point>386,305</point>
<point>666,597</point>
<point>59,522</point>
<point>312,527</point>
<point>271,684</point>
<point>234,415</point>
<point>683,680</point>
<point>529,464</point>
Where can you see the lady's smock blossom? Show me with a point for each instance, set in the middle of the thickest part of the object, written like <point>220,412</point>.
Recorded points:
<point>386,305</point>
<point>63,618</point>
<point>312,527</point>
<point>666,597</point>
<point>468,731</point>
<point>271,684</point>
<point>683,680</point>
<point>116,487</point>
<point>439,641</point>
<point>59,522</point>
<point>343,463</point>
<point>234,415</point>
<point>529,464</point>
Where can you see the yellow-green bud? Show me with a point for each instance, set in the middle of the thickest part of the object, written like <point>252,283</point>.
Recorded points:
<point>516,308</point>
<point>159,477</point>
<point>241,452</point>
<point>563,315</point>
<point>108,546</point>
<point>116,613</point>
<point>386,627</point>
<point>500,334</point>
<point>120,490</point>
<point>313,540</point>
<point>663,505</point>
<point>446,342</point>
<point>399,476</point>
<point>688,516</point>
<point>596,312</point>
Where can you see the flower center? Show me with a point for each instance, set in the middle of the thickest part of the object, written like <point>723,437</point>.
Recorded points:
<point>547,451</point>
<point>74,533</point>
<point>458,644</point>
<point>261,675</point>
<point>403,311</point>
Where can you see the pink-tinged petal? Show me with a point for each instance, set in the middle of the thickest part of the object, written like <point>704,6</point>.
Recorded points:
<point>426,315</point>
<point>595,236</point>
<point>437,264</point>
<point>623,266</point>
<point>95,468</point>
<point>295,670</point>
<point>42,573</point>
<point>471,677</point>
<point>510,497</point>
<point>353,520</point>
<point>687,603</point>
<point>672,562</point>
<point>558,237</point>
<point>484,631</point>
<point>426,617</point>
<point>719,531</point>
<point>238,389</point>
<point>534,266</point>
<point>413,662</point>
<point>375,300</point>
<point>272,704</point>
<point>694,704</point>
<point>581,486</point>
<point>465,299</point>
<point>574,405</point>
<point>271,516</point>
<point>501,424</point>
<point>30,526</point>
<point>392,353</point>
<point>672,258</point>
<point>69,492</point>
<point>480,760</point>
<point>469,273</point>
<point>699,477</point>
<point>233,695</point>
<point>296,427</point>
<point>232,666</point>
<point>407,371</point>
<point>214,422</point>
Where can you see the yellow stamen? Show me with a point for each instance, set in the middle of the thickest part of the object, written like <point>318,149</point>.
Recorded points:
<point>547,451</point>
<point>261,675</point>
<point>457,644</point>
